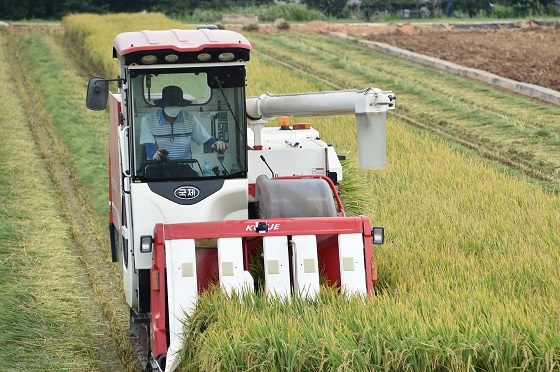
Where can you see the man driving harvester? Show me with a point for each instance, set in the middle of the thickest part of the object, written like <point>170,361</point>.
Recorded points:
<point>167,133</point>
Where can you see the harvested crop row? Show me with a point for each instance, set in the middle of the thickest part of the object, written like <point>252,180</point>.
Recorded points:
<point>48,319</point>
<point>73,147</point>
<point>518,132</point>
<point>523,48</point>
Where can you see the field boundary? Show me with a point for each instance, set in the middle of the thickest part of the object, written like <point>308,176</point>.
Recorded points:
<point>77,211</point>
<point>531,90</point>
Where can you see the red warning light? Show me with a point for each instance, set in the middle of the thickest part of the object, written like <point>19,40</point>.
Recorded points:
<point>301,126</point>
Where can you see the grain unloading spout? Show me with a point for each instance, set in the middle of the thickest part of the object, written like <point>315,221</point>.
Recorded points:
<point>369,105</point>
<point>371,117</point>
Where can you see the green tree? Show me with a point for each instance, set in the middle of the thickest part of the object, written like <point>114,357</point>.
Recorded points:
<point>48,9</point>
<point>331,8</point>
<point>125,6</point>
<point>13,10</point>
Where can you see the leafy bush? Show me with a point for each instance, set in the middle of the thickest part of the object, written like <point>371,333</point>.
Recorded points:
<point>203,16</point>
<point>526,8</point>
<point>281,24</point>
<point>291,12</point>
<point>503,11</point>
<point>552,9</point>
<point>251,27</point>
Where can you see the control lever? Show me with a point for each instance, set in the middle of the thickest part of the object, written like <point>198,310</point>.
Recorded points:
<point>221,157</point>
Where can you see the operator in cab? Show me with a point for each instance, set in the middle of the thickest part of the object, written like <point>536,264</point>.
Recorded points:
<point>167,132</point>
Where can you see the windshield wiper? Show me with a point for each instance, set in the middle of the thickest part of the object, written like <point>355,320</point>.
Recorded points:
<point>217,81</point>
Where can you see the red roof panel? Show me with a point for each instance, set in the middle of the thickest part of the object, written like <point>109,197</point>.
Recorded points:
<point>179,40</point>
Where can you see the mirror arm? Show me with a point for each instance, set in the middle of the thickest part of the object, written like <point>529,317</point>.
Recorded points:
<point>119,79</point>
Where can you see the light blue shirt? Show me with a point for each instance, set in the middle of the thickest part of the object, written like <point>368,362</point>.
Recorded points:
<point>157,133</point>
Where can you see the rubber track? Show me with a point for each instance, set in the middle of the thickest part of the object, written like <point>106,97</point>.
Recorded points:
<point>90,241</point>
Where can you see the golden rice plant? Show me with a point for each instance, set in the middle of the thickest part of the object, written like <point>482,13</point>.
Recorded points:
<point>468,274</point>
<point>92,35</point>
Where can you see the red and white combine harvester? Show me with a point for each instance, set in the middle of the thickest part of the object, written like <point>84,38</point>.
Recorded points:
<point>199,188</point>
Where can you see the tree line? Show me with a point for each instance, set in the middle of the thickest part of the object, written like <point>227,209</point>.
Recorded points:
<point>365,9</point>
<point>56,9</point>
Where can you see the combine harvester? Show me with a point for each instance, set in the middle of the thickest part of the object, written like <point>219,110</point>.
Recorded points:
<point>183,219</point>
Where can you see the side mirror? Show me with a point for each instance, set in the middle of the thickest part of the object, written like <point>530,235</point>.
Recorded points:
<point>97,94</point>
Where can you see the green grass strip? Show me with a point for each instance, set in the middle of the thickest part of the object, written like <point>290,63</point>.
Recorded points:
<point>45,318</point>
<point>79,139</point>
<point>83,132</point>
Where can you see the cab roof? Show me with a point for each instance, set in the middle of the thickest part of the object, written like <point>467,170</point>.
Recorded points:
<point>178,40</point>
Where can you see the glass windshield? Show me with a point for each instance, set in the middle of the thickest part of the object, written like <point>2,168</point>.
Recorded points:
<point>188,124</point>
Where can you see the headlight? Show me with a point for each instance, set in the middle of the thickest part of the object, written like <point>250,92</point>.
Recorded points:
<point>171,57</point>
<point>146,243</point>
<point>226,57</point>
<point>149,59</point>
<point>203,57</point>
<point>378,235</point>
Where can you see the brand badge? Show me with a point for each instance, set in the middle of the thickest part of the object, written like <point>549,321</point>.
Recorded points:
<point>186,192</point>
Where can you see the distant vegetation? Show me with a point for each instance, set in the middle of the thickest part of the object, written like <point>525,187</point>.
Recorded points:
<point>290,12</point>
<point>268,10</point>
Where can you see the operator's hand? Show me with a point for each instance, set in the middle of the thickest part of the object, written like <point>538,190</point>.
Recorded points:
<point>160,155</point>
<point>220,146</point>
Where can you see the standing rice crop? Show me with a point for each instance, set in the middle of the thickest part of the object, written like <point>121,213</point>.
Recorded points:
<point>468,278</point>
<point>468,273</point>
<point>90,36</point>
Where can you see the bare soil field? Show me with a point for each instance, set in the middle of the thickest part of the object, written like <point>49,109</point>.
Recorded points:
<point>527,55</point>
<point>527,52</point>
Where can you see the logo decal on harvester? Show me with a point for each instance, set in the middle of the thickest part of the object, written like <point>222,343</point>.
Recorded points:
<point>186,192</point>
<point>262,227</point>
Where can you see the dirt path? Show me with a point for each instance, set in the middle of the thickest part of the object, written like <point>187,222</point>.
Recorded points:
<point>527,55</point>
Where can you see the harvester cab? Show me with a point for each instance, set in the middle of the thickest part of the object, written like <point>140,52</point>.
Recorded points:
<point>226,191</point>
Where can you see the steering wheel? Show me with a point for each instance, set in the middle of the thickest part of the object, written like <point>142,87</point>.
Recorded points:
<point>177,168</point>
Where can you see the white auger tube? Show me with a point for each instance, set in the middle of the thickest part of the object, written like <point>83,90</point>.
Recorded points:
<point>369,105</point>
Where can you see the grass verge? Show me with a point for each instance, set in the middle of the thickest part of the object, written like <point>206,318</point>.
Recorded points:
<point>46,322</point>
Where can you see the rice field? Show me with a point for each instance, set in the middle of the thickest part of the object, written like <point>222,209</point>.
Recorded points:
<point>468,274</point>
<point>518,132</point>
<point>90,36</point>
<point>48,311</point>
<point>469,278</point>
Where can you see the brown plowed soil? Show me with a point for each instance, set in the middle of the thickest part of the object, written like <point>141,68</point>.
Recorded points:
<point>526,55</point>
<point>527,52</point>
